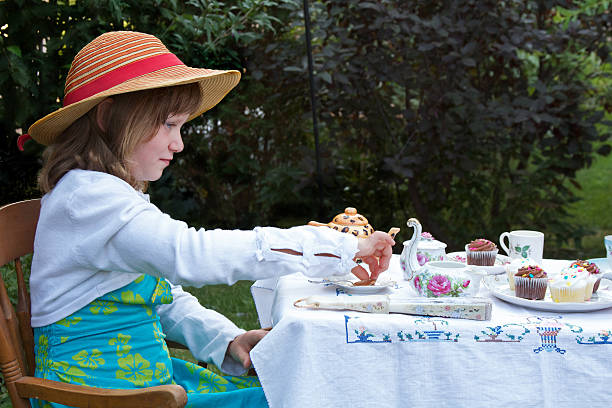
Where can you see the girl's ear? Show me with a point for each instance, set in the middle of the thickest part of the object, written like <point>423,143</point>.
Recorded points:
<point>102,112</point>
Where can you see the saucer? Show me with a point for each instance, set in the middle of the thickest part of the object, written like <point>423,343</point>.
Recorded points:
<point>500,263</point>
<point>347,283</point>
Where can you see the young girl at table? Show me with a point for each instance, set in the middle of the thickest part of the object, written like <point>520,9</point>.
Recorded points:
<point>108,264</point>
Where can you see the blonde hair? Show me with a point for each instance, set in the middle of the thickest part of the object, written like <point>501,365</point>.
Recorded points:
<point>131,119</point>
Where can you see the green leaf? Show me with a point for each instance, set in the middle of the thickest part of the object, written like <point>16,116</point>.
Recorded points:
<point>15,50</point>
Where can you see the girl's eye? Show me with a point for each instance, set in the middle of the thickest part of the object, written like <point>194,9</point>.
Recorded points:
<point>169,125</point>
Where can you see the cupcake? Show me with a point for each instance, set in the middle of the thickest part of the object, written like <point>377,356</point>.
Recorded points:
<point>481,252</point>
<point>513,267</point>
<point>568,286</point>
<point>530,282</point>
<point>593,270</point>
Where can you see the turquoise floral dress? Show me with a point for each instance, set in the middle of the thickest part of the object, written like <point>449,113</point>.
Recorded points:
<point>117,342</point>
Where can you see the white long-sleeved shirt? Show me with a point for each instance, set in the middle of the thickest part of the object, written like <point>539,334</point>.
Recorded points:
<point>96,234</point>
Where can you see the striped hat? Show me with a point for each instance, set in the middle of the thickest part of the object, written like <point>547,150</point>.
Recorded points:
<point>125,61</point>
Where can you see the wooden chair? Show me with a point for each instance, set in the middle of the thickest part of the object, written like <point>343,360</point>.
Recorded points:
<point>17,228</point>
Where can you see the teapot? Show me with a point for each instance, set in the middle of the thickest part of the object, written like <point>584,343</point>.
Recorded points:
<point>446,279</point>
<point>438,277</point>
<point>352,223</point>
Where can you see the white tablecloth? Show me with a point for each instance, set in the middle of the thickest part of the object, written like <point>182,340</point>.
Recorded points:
<point>521,357</point>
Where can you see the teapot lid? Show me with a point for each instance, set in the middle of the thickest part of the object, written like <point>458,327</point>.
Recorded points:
<point>350,217</point>
<point>427,241</point>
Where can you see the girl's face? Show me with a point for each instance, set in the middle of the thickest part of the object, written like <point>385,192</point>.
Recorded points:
<point>149,159</point>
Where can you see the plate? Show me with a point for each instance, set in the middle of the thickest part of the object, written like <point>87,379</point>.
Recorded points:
<point>498,285</point>
<point>498,268</point>
<point>347,284</point>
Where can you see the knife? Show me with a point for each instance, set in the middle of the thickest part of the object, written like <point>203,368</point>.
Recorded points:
<point>475,308</point>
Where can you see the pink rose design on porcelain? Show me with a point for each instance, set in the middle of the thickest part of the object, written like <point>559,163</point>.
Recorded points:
<point>427,235</point>
<point>422,258</point>
<point>466,283</point>
<point>439,285</point>
<point>417,283</point>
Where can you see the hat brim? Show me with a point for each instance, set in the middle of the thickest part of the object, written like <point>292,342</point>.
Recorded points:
<point>214,86</point>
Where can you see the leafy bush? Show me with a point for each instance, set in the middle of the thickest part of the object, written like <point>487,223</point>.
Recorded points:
<point>473,116</point>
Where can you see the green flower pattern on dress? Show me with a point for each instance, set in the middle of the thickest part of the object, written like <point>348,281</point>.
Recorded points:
<point>68,373</point>
<point>210,382</point>
<point>69,321</point>
<point>128,297</point>
<point>107,307</point>
<point>42,356</point>
<point>121,341</point>
<point>162,373</point>
<point>135,369</point>
<point>89,360</point>
<point>245,382</point>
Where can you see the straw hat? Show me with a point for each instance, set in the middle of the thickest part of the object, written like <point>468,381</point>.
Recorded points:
<point>125,61</point>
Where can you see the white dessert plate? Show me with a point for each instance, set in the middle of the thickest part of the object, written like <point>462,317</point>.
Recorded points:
<point>498,268</point>
<point>498,285</point>
<point>347,283</point>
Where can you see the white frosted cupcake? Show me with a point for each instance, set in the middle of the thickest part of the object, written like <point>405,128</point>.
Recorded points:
<point>513,267</point>
<point>568,286</point>
<point>592,268</point>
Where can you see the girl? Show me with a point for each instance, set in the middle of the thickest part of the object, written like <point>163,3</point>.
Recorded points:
<point>108,264</point>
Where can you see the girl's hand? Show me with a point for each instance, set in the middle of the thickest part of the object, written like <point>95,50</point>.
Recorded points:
<point>376,252</point>
<point>240,347</point>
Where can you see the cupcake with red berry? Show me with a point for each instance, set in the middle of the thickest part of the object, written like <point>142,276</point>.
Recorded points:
<point>530,282</point>
<point>481,252</point>
<point>593,269</point>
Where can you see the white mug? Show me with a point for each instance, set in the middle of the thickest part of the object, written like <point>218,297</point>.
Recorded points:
<point>523,244</point>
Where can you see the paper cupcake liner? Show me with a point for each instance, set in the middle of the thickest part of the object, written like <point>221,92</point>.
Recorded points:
<point>510,278</point>
<point>560,295</point>
<point>530,288</point>
<point>480,258</point>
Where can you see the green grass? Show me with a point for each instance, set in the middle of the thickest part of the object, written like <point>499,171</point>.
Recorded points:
<point>594,210</point>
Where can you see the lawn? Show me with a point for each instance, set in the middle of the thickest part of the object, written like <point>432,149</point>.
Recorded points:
<point>594,210</point>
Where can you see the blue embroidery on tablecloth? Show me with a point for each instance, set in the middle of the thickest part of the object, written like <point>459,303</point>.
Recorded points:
<point>603,337</point>
<point>512,333</point>
<point>548,328</point>
<point>362,334</point>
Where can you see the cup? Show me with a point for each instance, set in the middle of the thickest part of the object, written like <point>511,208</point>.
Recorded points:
<point>608,244</point>
<point>523,244</point>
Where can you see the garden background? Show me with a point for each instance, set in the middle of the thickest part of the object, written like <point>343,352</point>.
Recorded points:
<point>476,117</point>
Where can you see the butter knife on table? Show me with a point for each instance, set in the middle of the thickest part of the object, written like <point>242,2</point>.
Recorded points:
<point>475,308</point>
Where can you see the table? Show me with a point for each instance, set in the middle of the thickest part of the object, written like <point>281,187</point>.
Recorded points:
<point>520,358</point>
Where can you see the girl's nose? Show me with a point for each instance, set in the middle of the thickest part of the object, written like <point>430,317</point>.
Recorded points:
<point>176,145</point>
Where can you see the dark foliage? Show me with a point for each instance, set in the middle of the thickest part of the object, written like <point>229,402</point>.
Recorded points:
<point>473,116</point>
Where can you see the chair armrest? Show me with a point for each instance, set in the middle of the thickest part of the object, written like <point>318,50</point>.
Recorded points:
<point>84,396</point>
